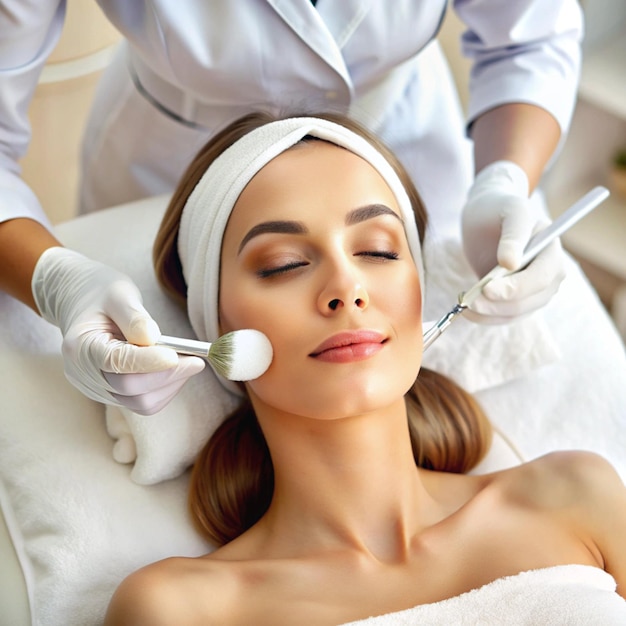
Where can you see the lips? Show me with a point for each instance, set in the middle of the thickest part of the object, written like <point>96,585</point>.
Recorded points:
<point>349,346</point>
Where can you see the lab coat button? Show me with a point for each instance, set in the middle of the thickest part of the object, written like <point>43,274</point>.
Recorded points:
<point>331,95</point>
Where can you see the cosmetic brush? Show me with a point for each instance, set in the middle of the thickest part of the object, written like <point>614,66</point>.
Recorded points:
<point>239,355</point>
<point>537,243</point>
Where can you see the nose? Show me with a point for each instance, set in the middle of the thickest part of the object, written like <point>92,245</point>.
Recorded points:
<point>343,289</point>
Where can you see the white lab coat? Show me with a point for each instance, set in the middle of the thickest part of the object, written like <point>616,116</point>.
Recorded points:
<point>206,63</point>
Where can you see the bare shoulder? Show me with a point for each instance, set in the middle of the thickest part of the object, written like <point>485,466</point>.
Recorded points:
<point>560,480</point>
<point>584,491</point>
<point>174,590</point>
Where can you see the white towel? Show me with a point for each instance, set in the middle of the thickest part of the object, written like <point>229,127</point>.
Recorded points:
<point>80,523</point>
<point>162,446</point>
<point>567,595</point>
<point>478,356</point>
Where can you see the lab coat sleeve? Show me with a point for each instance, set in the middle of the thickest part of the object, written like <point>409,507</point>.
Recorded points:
<point>522,51</point>
<point>29,30</point>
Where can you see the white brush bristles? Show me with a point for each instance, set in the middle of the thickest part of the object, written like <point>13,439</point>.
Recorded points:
<point>241,355</point>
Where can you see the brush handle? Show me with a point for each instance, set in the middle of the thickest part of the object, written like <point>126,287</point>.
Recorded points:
<point>185,346</point>
<point>543,238</point>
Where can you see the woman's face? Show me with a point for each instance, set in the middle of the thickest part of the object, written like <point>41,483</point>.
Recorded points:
<point>315,257</point>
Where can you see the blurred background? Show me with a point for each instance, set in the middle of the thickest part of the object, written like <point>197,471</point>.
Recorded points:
<point>594,153</point>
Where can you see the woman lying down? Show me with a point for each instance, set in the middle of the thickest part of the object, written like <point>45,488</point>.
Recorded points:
<point>338,491</point>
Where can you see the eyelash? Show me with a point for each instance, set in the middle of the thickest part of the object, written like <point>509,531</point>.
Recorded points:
<point>386,255</point>
<point>283,269</point>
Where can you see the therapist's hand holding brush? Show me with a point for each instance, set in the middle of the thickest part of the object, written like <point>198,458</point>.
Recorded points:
<point>97,308</point>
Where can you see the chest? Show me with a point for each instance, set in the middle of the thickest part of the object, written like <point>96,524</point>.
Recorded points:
<point>441,566</point>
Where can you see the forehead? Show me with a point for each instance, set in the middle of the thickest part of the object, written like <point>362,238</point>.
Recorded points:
<point>314,179</point>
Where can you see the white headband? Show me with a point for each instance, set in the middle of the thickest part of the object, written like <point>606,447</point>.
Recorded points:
<point>209,206</point>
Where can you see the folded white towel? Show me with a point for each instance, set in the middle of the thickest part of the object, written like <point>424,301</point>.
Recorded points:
<point>566,594</point>
<point>162,446</point>
<point>478,356</point>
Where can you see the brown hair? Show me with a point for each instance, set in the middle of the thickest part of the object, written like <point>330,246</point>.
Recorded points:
<point>233,479</point>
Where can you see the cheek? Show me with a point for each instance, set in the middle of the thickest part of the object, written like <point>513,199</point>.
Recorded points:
<point>248,306</point>
<point>280,381</point>
<point>277,318</point>
<point>403,297</point>
<point>286,385</point>
<point>238,305</point>
<point>405,308</point>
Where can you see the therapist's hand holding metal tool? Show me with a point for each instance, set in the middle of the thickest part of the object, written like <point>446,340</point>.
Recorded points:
<point>538,242</point>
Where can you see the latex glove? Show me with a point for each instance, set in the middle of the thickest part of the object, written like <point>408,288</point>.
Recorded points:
<point>96,307</point>
<point>497,223</point>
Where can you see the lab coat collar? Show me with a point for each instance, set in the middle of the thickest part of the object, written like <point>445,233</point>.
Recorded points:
<point>324,32</point>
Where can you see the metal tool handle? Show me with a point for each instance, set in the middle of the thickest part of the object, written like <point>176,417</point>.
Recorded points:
<point>185,346</point>
<point>543,238</point>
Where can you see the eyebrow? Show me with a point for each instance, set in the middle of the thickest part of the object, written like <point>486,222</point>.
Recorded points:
<point>368,212</point>
<point>289,227</point>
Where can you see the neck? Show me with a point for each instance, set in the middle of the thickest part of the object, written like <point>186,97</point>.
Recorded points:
<point>348,482</point>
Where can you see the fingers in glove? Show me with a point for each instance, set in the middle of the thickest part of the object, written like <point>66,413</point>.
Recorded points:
<point>152,402</point>
<point>92,347</point>
<point>545,272</point>
<point>146,383</point>
<point>96,344</point>
<point>123,304</point>
<point>125,358</point>
<point>523,292</point>
<point>487,312</point>
<point>516,230</point>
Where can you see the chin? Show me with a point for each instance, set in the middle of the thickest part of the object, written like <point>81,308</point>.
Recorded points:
<point>349,399</point>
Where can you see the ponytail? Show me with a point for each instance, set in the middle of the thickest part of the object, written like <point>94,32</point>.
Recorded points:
<point>232,481</point>
<point>449,430</point>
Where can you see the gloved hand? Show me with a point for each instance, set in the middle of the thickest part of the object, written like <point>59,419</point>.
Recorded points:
<point>96,307</point>
<point>497,223</point>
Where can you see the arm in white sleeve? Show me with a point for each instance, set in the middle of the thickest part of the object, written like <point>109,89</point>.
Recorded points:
<point>522,94</point>
<point>523,51</point>
<point>29,32</point>
<point>96,307</point>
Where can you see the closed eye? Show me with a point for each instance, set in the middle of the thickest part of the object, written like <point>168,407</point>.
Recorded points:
<point>382,255</point>
<point>281,269</point>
